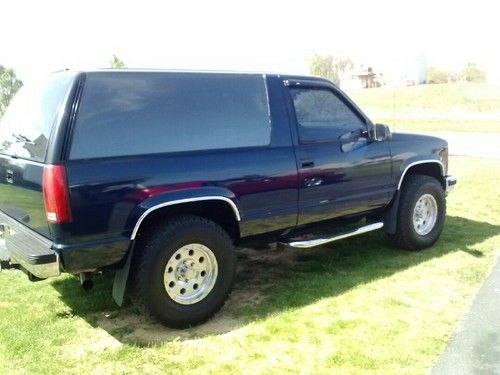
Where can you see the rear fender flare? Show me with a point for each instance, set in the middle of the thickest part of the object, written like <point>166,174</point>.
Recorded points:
<point>167,199</point>
<point>159,201</point>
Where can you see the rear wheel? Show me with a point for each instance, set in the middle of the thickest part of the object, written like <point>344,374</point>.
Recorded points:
<point>421,213</point>
<point>185,270</point>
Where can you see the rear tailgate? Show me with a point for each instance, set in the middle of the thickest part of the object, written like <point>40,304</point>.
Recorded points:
<point>25,133</point>
<point>21,195</point>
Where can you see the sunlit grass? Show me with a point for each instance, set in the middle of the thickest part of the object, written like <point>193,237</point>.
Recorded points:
<point>358,306</point>
<point>445,107</point>
<point>440,125</point>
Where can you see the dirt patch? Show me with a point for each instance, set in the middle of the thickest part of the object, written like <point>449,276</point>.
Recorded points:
<point>90,341</point>
<point>256,272</point>
<point>129,326</point>
<point>258,269</point>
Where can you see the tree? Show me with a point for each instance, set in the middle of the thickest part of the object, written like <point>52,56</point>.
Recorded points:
<point>437,75</point>
<point>9,84</point>
<point>330,67</point>
<point>471,73</point>
<point>116,63</point>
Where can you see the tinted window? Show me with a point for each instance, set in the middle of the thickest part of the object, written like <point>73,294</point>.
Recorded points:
<point>26,125</point>
<point>131,113</point>
<point>322,115</point>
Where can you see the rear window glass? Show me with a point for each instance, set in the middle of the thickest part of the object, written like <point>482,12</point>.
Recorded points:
<point>26,125</point>
<point>132,113</point>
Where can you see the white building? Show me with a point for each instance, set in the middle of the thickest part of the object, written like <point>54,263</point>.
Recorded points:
<point>408,69</point>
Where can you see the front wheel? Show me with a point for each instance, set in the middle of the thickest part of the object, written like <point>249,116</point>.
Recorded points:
<point>185,271</point>
<point>421,213</point>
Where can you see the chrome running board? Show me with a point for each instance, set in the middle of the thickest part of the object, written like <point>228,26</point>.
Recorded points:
<point>306,244</point>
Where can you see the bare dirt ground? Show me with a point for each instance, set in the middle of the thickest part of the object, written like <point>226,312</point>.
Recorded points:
<point>129,325</point>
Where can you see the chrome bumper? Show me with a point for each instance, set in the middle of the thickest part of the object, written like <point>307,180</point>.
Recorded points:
<point>450,182</point>
<point>21,247</point>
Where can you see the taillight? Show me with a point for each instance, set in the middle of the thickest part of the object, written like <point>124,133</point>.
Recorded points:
<point>56,194</point>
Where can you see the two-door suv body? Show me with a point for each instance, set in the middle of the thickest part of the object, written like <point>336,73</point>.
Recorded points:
<point>158,175</point>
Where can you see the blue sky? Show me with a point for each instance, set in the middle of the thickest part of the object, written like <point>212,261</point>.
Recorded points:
<point>43,36</point>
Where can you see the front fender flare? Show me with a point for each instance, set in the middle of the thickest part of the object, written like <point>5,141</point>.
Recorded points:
<point>407,166</point>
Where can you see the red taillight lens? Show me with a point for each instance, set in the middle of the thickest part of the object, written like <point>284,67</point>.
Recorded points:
<point>56,194</point>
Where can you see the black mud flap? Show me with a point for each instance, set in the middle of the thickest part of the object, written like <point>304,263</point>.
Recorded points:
<point>390,216</point>
<point>121,278</point>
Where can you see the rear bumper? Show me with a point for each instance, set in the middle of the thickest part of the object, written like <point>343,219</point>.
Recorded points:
<point>450,182</point>
<point>24,248</point>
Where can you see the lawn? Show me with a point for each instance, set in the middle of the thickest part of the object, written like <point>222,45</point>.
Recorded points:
<point>463,107</point>
<point>358,306</point>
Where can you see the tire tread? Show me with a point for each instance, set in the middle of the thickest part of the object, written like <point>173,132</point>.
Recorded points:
<point>152,243</point>
<point>405,237</point>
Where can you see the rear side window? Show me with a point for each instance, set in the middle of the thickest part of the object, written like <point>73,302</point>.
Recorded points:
<point>26,125</point>
<point>133,113</point>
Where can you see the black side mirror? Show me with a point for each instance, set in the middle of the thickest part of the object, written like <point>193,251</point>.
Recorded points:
<point>382,132</point>
<point>353,140</point>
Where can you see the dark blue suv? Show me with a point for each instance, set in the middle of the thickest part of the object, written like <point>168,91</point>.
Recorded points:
<point>158,175</point>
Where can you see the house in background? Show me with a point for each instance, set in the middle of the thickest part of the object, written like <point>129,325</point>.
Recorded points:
<point>361,79</point>
<point>401,71</point>
<point>407,70</point>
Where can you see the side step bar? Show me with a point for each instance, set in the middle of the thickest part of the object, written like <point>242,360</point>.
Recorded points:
<point>306,244</point>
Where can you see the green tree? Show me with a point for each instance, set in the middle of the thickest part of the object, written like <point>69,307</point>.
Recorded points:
<point>437,75</point>
<point>116,63</point>
<point>471,73</point>
<point>9,84</point>
<point>330,67</point>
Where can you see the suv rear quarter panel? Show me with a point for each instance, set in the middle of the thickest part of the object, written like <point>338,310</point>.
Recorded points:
<point>109,195</point>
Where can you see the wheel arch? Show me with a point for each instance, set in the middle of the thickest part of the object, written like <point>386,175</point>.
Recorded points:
<point>220,209</point>
<point>211,202</point>
<point>429,167</point>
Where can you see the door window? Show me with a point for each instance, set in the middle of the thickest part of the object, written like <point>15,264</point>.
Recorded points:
<point>322,116</point>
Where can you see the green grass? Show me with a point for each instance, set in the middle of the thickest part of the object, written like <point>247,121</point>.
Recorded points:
<point>444,107</point>
<point>359,306</point>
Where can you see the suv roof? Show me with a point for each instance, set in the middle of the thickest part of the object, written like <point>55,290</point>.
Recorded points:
<point>196,71</point>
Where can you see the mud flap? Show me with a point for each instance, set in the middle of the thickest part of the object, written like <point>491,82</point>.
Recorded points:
<point>121,277</point>
<point>390,216</point>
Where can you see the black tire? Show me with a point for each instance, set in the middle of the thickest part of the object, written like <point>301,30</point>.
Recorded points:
<point>157,249</point>
<point>413,188</point>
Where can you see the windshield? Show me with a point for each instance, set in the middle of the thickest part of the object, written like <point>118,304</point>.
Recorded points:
<point>26,125</point>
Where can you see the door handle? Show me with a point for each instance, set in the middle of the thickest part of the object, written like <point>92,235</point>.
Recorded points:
<point>306,163</point>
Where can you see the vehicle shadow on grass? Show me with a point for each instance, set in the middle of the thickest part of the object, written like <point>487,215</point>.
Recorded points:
<point>273,280</point>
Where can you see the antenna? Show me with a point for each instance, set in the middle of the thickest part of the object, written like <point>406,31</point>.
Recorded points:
<point>394,106</point>
<point>396,78</point>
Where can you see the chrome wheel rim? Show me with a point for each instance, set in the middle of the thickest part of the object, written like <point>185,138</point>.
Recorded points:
<point>190,274</point>
<point>425,214</point>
